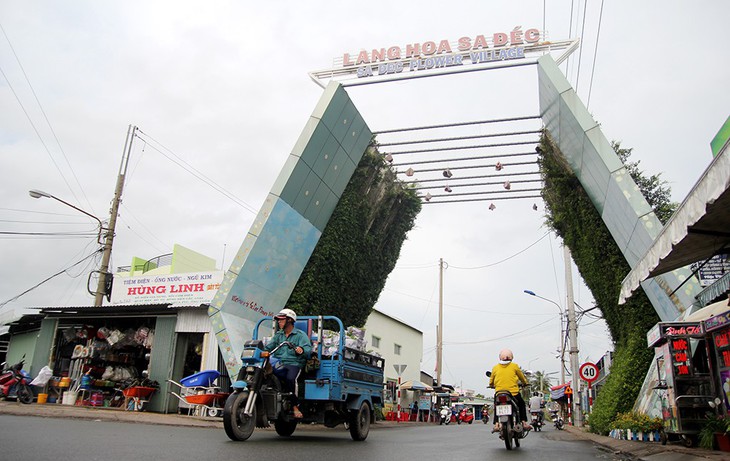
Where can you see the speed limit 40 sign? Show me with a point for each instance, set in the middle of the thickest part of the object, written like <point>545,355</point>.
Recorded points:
<point>588,372</point>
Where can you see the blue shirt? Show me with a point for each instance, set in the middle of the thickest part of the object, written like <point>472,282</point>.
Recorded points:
<point>288,356</point>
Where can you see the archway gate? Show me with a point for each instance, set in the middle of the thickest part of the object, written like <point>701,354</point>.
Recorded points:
<point>279,243</point>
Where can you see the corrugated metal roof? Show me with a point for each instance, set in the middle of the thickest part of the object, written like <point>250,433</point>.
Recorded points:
<point>131,309</point>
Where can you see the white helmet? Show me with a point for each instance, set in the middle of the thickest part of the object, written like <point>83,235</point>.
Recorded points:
<point>286,313</point>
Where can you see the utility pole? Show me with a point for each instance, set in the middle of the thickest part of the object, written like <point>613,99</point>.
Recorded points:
<point>573,335</point>
<point>440,331</point>
<point>109,240</point>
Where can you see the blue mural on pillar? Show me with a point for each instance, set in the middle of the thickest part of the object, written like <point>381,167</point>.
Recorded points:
<point>286,230</point>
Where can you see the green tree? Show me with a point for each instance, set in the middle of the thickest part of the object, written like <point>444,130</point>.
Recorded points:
<point>572,215</point>
<point>359,246</point>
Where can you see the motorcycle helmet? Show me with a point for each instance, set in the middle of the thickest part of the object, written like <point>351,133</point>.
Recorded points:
<point>286,313</point>
<point>505,356</point>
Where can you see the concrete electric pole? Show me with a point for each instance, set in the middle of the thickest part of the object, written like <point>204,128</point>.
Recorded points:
<point>109,238</point>
<point>573,336</point>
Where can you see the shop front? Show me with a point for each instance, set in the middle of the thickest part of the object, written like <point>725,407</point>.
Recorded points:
<point>118,356</point>
<point>684,381</point>
<point>718,335</point>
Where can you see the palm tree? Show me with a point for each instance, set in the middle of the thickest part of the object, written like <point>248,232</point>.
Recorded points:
<point>539,381</point>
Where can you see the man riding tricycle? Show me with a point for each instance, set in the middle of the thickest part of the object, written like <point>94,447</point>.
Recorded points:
<point>336,385</point>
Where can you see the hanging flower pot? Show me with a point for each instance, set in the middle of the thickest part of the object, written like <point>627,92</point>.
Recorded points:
<point>492,206</point>
<point>447,173</point>
<point>409,172</point>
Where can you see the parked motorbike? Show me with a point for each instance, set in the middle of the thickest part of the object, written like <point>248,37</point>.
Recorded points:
<point>14,382</point>
<point>537,420</point>
<point>557,419</point>
<point>444,415</point>
<point>485,415</point>
<point>465,416</point>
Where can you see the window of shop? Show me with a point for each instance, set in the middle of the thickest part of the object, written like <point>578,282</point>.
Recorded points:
<point>375,341</point>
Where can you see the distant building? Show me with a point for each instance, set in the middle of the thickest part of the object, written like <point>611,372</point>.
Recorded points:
<point>399,344</point>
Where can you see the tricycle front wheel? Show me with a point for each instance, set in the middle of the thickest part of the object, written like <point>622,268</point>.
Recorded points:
<point>285,428</point>
<point>237,424</point>
<point>360,423</point>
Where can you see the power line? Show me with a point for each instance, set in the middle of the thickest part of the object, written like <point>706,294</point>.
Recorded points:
<point>505,259</point>
<point>52,234</point>
<point>14,298</point>
<point>482,341</point>
<point>190,169</point>
<point>595,54</point>
<point>48,122</point>
<point>580,53</point>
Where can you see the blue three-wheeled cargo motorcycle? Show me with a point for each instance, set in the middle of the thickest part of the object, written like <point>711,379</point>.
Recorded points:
<point>340,385</point>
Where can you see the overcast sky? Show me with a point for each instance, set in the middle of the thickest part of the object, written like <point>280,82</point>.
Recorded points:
<point>225,88</point>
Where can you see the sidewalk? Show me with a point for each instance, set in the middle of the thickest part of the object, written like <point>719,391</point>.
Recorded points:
<point>650,451</point>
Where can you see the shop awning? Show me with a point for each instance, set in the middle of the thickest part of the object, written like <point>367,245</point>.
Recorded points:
<point>708,311</point>
<point>416,386</point>
<point>699,229</point>
<point>714,291</point>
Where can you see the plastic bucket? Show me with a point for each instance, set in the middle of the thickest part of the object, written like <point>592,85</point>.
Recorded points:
<point>69,398</point>
<point>42,398</point>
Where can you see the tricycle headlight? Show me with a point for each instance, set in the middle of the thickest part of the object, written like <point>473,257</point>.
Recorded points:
<point>247,353</point>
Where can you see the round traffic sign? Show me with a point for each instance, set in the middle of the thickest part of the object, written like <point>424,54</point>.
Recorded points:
<point>588,372</point>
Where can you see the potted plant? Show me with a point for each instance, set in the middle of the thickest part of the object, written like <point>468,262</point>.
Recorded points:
<point>715,424</point>
<point>636,426</point>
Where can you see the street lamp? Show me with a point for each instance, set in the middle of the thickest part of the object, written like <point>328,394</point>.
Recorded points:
<point>101,287</point>
<point>39,194</point>
<point>562,344</point>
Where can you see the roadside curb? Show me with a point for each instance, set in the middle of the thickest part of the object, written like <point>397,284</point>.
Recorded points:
<point>649,451</point>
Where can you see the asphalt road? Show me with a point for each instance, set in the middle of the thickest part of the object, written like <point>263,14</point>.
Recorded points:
<point>37,438</point>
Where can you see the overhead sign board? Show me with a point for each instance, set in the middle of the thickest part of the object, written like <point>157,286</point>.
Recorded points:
<point>666,331</point>
<point>466,52</point>
<point>441,53</point>
<point>188,289</point>
<point>712,269</point>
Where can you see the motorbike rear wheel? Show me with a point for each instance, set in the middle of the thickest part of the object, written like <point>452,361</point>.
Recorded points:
<point>507,434</point>
<point>238,425</point>
<point>360,423</point>
<point>24,394</point>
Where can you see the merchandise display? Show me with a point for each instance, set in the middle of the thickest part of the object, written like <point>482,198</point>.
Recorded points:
<point>102,366</point>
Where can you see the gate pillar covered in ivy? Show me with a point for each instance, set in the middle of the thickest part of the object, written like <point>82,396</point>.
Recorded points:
<point>623,208</point>
<point>290,222</point>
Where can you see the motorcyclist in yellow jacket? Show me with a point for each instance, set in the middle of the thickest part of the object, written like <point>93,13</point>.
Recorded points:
<point>507,376</point>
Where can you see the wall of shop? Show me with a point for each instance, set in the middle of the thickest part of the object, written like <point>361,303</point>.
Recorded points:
<point>161,361</point>
<point>44,345</point>
<point>22,344</point>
